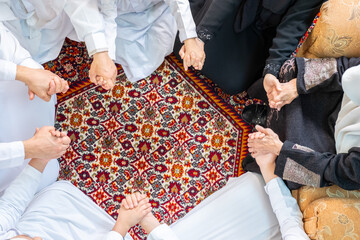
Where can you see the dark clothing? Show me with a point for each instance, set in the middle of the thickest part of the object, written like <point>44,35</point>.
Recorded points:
<point>309,121</point>
<point>239,33</point>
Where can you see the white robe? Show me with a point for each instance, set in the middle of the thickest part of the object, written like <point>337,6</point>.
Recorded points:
<point>19,116</point>
<point>240,210</point>
<point>146,31</point>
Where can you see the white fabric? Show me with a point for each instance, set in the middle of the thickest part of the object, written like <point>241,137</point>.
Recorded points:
<point>11,154</point>
<point>286,209</point>
<point>146,31</point>
<point>46,23</point>
<point>19,116</point>
<point>5,12</point>
<point>241,207</point>
<point>347,127</point>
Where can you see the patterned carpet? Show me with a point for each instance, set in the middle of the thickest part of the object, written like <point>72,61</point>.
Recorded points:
<point>175,136</point>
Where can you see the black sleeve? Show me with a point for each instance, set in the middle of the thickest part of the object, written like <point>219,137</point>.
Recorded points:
<point>299,165</point>
<point>213,17</point>
<point>322,74</point>
<point>292,27</point>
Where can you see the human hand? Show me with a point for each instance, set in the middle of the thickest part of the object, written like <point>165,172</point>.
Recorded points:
<point>279,94</point>
<point>41,83</point>
<point>264,142</point>
<point>47,143</point>
<point>266,163</point>
<point>129,217</point>
<point>103,70</point>
<point>192,53</point>
<point>131,201</point>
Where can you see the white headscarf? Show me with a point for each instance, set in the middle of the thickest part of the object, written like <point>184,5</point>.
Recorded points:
<point>347,127</point>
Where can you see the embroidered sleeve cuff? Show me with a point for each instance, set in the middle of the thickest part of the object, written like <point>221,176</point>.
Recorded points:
<point>313,72</point>
<point>96,42</point>
<point>7,70</point>
<point>281,159</point>
<point>272,68</point>
<point>204,34</point>
<point>114,236</point>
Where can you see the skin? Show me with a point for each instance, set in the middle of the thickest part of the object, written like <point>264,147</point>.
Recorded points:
<point>264,142</point>
<point>103,70</point>
<point>41,83</point>
<point>47,143</point>
<point>40,164</point>
<point>266,161</point>
<point>192,53</point>
<point>128,217</point>
<point>279,94</point>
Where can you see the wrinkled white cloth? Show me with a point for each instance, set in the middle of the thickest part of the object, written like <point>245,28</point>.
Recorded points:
<point>347,127</point>
<point>19,116</point>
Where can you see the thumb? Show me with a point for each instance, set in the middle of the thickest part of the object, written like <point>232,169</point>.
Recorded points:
<point>31,94</point>
<point>277,85</point>
<point>182,52</point>
<point>260,129</point>
<point>52,88</point>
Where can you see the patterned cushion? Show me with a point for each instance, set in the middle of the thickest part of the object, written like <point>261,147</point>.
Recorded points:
<point>333,219</point>
<point>336,32</point>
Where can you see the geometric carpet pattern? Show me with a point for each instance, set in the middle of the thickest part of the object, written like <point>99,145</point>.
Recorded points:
<point>174,136</point>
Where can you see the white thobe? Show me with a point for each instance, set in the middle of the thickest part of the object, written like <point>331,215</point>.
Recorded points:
<point>61,211</point>
<point>19,116</point>
<point>146,31</point>
<point>347,127</point>
<point>45,24</point>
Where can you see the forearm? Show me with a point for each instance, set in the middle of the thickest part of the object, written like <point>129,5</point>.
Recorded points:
<point>322,74</point>
<point>88,24</point>
<point>180,9</point>
<point>214,18</point>
<point>11,154</point>
<point>17,197</point>
<point>108,10</point>
<point>292,27</point>
<point>121,227</point>
<point>286,210</point>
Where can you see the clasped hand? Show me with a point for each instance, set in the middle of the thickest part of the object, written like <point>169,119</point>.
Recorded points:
<point>192,53</point>
<point>279,94</point>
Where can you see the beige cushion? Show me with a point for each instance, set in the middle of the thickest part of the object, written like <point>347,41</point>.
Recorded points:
<point>333,219</point>
<point>337,32</point>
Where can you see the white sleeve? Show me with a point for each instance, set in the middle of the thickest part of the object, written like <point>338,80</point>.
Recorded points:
<point>11,154</point>
<point>114,236</point>
<point>286,210</point>
<point>180,9</point>
<point>17,197</point>
<point>162,232</point>
<point>12,54</point>
<point>108,9</point>
<point>88,23</point>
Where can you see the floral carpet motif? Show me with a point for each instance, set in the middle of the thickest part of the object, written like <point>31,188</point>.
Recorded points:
<point>174,136</point>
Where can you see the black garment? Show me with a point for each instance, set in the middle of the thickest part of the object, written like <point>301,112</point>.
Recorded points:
<point>239,33</point>
<point>309,121</point>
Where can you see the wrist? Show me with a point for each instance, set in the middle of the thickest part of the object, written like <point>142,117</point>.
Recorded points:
<point>121,227</point>
<point>29,147</point>
<point>22,73</point>
<point>38,164</point>
<point>101,54</point>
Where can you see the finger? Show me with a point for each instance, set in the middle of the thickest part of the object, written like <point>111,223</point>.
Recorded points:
<point>57,84</point>
<point>129,201</point>
<point>185,62</point>
<point>134,200</point>
<point>31,95</point>
<point>182,52</point>
<point>37,130</point>
<point>138,196</point>
<point>52,88</point>
<point>124,204</point>
<point>193,59</point>
<point>260,129</point>
<point>92,75</point>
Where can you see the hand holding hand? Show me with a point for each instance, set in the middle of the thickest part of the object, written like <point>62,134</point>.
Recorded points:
<point>192,53</point>
<point>47,143</point>
<point>264,142</point>
<point>279,94</point>
<point>129,217</point>
<point>41,83</point>
<point>103,70</point>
